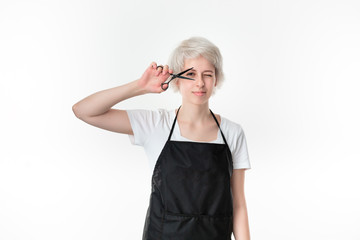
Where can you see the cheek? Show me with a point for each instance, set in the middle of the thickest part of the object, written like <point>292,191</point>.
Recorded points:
<point>211,82</point>
<point>184,84</point>
<point>180,87</point>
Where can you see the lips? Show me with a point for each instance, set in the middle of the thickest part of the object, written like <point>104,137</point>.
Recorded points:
<point>199,93</point>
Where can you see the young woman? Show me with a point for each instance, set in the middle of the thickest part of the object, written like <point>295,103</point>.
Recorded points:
<point>198,158</point>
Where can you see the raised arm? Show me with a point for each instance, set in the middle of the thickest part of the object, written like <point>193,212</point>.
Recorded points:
<point>97,110</point>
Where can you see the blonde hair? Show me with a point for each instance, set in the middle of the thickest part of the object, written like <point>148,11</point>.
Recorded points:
<point>193,48</point>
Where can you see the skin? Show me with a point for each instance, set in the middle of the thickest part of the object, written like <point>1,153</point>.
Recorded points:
<point>194,119</point>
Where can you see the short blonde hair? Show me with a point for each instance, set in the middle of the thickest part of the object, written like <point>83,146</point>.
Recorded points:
<point>193,48</point>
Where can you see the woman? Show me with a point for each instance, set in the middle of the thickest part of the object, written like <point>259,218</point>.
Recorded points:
<point>198,158</point>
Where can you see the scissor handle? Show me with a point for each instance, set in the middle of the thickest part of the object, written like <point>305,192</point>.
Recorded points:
<point>165,88</point>
<point>175,76</point>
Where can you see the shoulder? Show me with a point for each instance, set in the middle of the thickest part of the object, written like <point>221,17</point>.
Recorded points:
<point>233,132</point>
<point>230,126</point>
<point>236,140</point>
<point>160,112</point>
<point>150,116</point>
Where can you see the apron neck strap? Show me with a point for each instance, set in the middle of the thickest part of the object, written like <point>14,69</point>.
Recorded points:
<point>173,126</point>
<point>218,126</point>
<point>217,123</point>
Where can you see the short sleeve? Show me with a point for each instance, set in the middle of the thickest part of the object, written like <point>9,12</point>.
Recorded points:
<point>143,123</point>
<point>240,153</point>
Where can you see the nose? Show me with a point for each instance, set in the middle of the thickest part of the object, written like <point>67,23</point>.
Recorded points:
<point>199,81</point>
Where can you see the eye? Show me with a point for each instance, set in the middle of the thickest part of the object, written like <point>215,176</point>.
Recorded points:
<point>190,74</point>
<point>208,75</point>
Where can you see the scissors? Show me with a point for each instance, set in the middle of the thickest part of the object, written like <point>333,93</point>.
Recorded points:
<point>175,76</point>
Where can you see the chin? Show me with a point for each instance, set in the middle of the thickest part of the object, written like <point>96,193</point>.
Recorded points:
<point>200,101</point>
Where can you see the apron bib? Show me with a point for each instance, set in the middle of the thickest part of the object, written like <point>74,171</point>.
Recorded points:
<point>191,196</point>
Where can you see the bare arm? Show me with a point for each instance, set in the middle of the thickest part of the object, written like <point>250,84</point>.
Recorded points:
<point>97,110</point>
<point>240,221</point>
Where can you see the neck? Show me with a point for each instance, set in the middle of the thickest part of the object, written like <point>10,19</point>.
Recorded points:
<point>194,113</point>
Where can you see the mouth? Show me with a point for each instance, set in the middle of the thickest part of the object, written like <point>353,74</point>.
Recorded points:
<point>199,93</point>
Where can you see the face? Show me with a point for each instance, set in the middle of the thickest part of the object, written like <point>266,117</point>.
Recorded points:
<point>200,90</point>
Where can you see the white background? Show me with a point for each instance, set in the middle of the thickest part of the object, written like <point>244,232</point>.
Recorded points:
<point>292,82</point>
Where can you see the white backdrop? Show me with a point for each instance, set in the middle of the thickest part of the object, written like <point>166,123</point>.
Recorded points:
<point>292,82</point>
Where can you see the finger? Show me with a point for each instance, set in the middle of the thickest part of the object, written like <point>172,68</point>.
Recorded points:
<point>159,70</point>
<point>165,70</point>
<point>153,65</point>
<point>164,86</point>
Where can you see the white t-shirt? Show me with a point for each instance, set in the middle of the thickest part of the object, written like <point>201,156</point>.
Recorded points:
<point>151,130</point>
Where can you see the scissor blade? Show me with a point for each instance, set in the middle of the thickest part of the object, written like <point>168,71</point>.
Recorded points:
<point>185,71</point>
<point>184,77</point>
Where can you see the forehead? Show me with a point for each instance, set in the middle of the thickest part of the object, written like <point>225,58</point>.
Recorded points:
<point>199,63</point>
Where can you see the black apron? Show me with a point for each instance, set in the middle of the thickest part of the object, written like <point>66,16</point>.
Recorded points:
<point>191,196</point>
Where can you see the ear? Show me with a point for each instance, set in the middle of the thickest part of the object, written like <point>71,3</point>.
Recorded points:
<point>177,83</point>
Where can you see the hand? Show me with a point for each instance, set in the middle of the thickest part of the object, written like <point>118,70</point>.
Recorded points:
<point>153,77</point>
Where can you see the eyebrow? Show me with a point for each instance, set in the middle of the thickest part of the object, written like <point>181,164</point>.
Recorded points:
<point>204,71</point>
